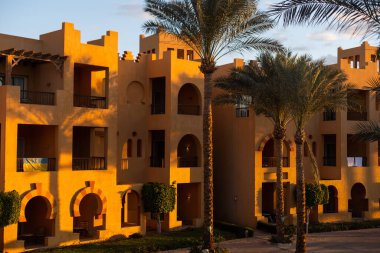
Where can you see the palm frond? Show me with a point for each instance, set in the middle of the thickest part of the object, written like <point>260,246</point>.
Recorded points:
<point>357,16</point>
<point>367,131</point>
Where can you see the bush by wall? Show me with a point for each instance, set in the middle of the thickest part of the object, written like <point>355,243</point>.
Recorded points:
<point>10,206</point>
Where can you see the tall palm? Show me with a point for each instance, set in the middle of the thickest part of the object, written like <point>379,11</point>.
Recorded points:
<point>267,84</point>
<point>319,88</point>
<point>212,28</point>
<point>357,16</point>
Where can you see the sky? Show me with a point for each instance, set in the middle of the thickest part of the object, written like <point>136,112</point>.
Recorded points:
<point>30,18</point>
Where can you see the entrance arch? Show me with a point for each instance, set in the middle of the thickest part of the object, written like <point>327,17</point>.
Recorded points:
<point>130,211</point>
<point>37,223</point>
<point>332,205</point>
<point>358,204</point>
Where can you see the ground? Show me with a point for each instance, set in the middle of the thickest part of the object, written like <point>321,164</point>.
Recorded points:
<point>357,241</point>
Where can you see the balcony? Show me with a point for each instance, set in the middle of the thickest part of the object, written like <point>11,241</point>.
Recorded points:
<point>242,112</point>
<point>37,97</point>
<point>357,162</point>
<point>189,109</point>
<point>357,116</point>
<point>185,162</point>
<point>90,101</point>
<point>89,163</point>
<point>270,162</point>
<point>36,164</point>
<point>157,162</point>
<point>329,116</point>
<point>329,161</point>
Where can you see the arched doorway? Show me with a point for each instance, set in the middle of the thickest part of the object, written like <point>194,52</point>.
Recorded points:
<point>189,100</point>
<point>38,224</point>
<point>90,219</point>
<point>189,203</point>
<point>188,152</point>
<point>332,205</point>
<point>269,158</point>
<point>130,211</point>
<point>358,204</point>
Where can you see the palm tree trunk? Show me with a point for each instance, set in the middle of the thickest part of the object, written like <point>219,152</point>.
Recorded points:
<point>208,236</point>
<point>301,200</point>
<point>279,136</point>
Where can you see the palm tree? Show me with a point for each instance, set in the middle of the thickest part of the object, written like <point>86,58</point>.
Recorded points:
<point>266,84</point>
<point>357,16</point>
<point>319,88</point>
<point>212,28</point>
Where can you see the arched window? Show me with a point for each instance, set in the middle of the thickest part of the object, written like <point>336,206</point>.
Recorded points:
<point>358,204</point>
<point>188,152</point>
<point>332,205</point>
<point>139,148</point>
<point>269,158</point>
<point>189,100</point>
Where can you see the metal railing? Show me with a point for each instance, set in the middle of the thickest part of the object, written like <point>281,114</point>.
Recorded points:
<point>189,109</point>
<point>242,112</point>
<point>157,162</point>
<point>357,116</point>
<point>89,163</point>
<point>29,164</point>
<point>329,161</point>
<point>272,162</point>
<point>158,108</point>
<point>184,162</point>
<point>356,161</point>
<point>37,97</point>
<point>329,116</point>
<point>90,101</point>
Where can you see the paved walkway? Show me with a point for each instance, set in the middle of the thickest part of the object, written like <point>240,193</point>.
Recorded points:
<point>367,240</point>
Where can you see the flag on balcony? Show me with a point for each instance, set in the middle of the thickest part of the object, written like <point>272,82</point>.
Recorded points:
<point>35,164</point>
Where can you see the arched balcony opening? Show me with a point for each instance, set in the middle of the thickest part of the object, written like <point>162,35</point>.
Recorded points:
<point>358,204</point>
<point>130,211</point>
<point>189,152</point>
<point>38,225</point>
<point>269,158</point>
<point>90,220</point>
<point>189,100</point>
<point>332,205</point>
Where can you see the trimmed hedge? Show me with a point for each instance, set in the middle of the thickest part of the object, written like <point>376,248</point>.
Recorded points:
<point>158,198</point>
<point>10,207</point>
<point>322,227</point>
<point>233,228</point>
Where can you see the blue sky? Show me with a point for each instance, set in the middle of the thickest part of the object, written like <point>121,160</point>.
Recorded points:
<point>29,18</point>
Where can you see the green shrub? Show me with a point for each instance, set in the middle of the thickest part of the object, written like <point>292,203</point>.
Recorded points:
<point>316,194</point>
<point>158,197</point>
<point>10,206</point>
<point>239,231</point>
<point>343,226</point>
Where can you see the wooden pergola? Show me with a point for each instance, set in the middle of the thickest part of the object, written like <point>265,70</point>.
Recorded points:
<point>14,56</point>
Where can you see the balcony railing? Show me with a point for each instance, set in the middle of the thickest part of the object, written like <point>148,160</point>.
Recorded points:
<point>357,161</point>
<point>37,97</point>
<point>157,162</point>
<point>189,109</point>
<point>357,116</point>
<point>158,108</point>
<point>90,101</point>
<point>269,162</point>
<point>36,164</point>
<point>89,163</point>
<point>184,162</point>
<point>329,116</point>
<point>329,161</point>
<point>242,112</point>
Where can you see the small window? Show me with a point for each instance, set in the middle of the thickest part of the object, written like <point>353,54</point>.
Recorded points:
<point>129,148</point>
<point>139,148</point>
<point>153,51</point>
<point>190,55</point>
<point>148,51</point>
<point>170,49</point>
<point>357,62</point>
<point>2,80</point>
<point>181,54</point>
<point>373,58</point>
